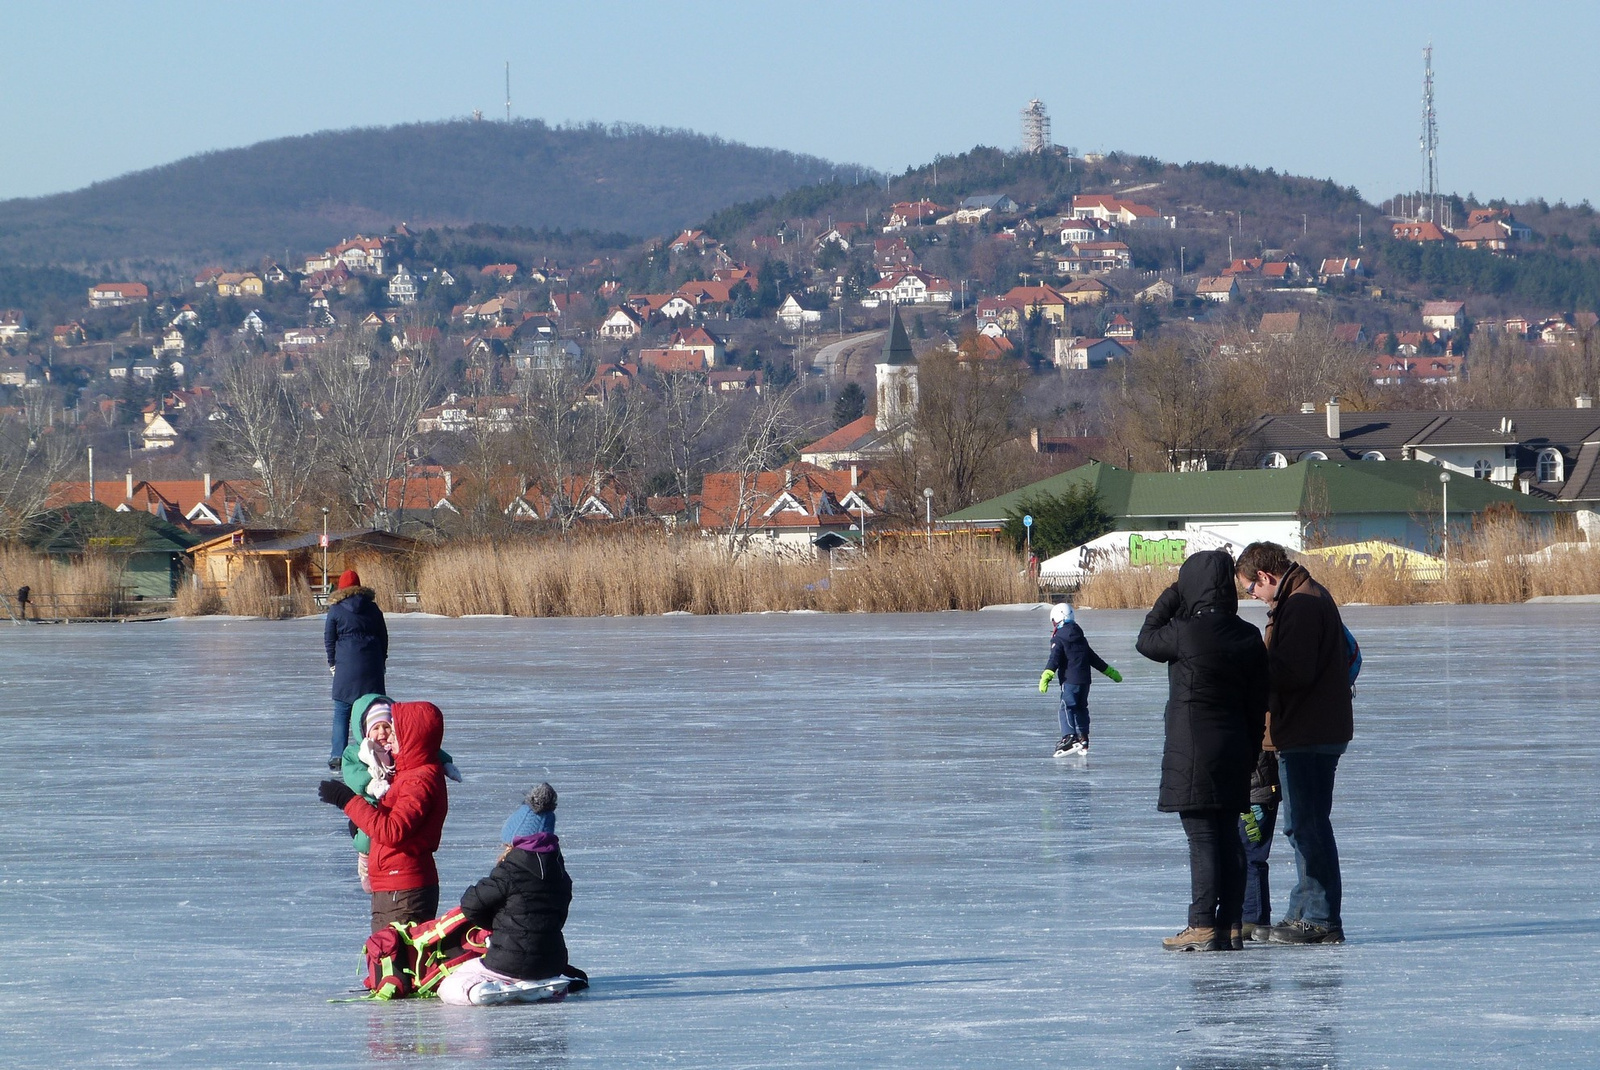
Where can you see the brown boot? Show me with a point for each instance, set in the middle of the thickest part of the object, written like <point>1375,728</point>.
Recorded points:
<point>1236,938</point>
<point>1192,939</point>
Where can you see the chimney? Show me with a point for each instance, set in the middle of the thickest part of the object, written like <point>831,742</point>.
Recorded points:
<point>1583,401</point>
<point>1333,418</point>
<point>1308,408</point>
<point>1526,481</point>
<point>130,485</point>
<point>208,484</point>
<point>855,475</point>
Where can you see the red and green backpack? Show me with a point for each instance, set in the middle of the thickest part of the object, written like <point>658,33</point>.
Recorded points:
<point>409,959</point>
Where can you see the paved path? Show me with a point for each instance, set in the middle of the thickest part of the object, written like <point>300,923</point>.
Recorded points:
<point>834,358</point>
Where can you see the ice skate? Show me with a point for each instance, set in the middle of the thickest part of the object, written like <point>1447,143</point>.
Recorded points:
<point>1064,747</point>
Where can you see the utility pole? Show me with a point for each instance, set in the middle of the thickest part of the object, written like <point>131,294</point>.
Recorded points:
<point>508,91</point>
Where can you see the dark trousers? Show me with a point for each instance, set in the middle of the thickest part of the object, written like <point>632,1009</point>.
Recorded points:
<point>341,727</point>
<point>1073,712</point>
<point>412,904</point>
<point>1306,776</point>
<point>1216,868</point>
<point>1257,893</point>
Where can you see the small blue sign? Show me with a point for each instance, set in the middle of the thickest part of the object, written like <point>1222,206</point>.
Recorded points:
<point>1027,521</point>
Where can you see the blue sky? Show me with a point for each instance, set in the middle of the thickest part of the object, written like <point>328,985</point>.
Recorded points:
<point>92,90</point>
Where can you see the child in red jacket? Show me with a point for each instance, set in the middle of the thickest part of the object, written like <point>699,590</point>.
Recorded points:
<point>406,824</point>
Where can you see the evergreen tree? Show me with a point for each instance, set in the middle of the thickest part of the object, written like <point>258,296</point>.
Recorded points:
<point>850,405</point>
<point>1060,521</point>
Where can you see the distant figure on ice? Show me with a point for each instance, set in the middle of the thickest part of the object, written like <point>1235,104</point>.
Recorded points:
<point>1071,658</point>
<point>523,903</point>
<point>1216,703</point>
<point>1311,724</point>
<point>357,642</point>
<point>406,823</point>
<point>367,764</point>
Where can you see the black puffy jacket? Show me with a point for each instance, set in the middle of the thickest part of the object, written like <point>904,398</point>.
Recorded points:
<point>1217,687</point>
<point>523,903</point>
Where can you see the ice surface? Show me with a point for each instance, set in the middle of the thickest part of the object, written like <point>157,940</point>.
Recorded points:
<point>820,841</point>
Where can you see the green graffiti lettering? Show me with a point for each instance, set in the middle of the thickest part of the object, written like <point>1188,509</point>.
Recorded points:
<point>1143,551</point>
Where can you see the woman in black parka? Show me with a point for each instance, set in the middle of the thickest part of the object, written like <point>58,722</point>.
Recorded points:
<point>1216,708</point>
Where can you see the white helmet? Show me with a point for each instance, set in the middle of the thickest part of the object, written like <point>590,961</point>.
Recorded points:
<point>1059,614</point>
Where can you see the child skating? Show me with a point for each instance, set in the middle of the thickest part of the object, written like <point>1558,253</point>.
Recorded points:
<point>1071,658</point>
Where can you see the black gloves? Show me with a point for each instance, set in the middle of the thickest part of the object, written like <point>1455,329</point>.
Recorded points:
<point>335,793</point>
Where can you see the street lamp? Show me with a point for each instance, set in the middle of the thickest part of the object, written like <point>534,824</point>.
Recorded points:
<point>927,498</point>
<point>1444,512</point>
<point>324,551</point>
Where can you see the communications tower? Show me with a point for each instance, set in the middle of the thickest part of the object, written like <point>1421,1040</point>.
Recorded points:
<point>1035,128</point>
<point>1430,140</point>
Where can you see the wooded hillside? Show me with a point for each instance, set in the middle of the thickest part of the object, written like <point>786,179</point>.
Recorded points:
<point>303,193</point>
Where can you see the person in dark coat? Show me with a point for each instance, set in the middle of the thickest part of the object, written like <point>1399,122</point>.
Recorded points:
<point>523,902</point>
<point>1256,827</point>
<point>1312,723</point>
<point>1217,698</point>
<point>357,642</point>
<point>1071,658</point>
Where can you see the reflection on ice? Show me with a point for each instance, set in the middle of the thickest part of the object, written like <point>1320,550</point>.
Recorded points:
<point>796,841</point>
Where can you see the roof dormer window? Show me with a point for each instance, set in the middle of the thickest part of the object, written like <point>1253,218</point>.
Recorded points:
<point>1551,467</point>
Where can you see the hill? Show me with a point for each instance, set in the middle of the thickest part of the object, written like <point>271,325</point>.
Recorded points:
<point>303,193</point>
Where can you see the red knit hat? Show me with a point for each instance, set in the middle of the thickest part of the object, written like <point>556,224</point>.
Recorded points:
<point>349,578</point>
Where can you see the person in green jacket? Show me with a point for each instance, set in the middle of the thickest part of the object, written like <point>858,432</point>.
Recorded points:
<point>366,758</point>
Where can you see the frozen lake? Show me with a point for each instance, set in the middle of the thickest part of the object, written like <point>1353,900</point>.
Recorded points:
<point>797,841</point>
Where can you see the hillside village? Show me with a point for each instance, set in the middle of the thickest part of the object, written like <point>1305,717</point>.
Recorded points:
<point>761,373</point>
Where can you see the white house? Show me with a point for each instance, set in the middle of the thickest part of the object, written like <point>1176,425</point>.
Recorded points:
<point>402,289</point>
<point>1081,354</point>
<point>1444,315</point>
<point>622,325</point>
<point>792,316</point>
<point>913,287</point>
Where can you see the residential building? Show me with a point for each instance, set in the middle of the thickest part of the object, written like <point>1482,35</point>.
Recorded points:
<point>911,287</point>
<point>1423,231</point>
<point>13,326</point>
<point>1047,300</point>
<point>1110,209</point>
<point>1094,258</point>
<point>402,288</point>
<point>1218,288</point>
<point>117,294</point>
<point>995,202</point>
<point>1081,354</point>
<point>624,324</point>
<point>793,316</point>
<point>1444,315</point>
<point>239,284</point>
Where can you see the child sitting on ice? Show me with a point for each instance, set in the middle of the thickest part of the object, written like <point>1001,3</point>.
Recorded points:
<point>523,903</point>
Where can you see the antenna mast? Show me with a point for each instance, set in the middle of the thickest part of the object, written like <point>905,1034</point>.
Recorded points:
<point>1430,136</point>
<point>508,91</point>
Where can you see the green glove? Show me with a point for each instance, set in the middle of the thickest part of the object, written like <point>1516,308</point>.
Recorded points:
<point>1044,680</point>
<point>1113,675</point>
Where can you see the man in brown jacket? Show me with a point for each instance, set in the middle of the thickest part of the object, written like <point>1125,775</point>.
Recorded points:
<point>1310,724</point>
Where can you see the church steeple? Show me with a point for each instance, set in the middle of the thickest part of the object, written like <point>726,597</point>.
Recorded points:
<point>897,346</point>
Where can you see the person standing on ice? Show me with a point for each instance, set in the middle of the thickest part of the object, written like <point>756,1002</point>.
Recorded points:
<point>1311,721</point>
<point>1216,705</point>
<point>406,824</point>
<point>1071,658</point>
<point>357,643</point>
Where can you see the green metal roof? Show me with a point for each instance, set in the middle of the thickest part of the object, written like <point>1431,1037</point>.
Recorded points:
<point>90,526</point>
<point>1309,489</point>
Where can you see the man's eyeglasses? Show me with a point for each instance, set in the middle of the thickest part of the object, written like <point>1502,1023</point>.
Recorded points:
<point>1250,588</point>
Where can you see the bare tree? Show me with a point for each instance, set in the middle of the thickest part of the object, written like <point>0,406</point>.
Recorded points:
<point>574,441</point>
<point>368,404</point>
<point>1185,405</point>
<point>267,425</point>
<point>684,428</point>
<point>768,437</point>
<point>965,439</point>
<point>36,450</point>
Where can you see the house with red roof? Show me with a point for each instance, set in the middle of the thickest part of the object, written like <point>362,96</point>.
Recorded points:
<point>800,510</point>
<point>117,294</point>
<point>1114,211</point>
<point>892,254</point>
<point>1047,300</point>
<point>911,287</point>
<point>623,324</point>
<point>1423,231</point>
<point>919,213</point>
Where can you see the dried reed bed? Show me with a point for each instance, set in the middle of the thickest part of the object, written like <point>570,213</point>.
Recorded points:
<point>1497,563</point>
<point>253,592</point>
<point>88,587</point>
<point>641,575</point>
<point>1125,588</point>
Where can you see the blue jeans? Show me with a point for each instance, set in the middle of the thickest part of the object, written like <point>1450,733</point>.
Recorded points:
<point>1306,775</point>
<point>1257,887</point>
<point>341,727</point>
<point>1074,711</point>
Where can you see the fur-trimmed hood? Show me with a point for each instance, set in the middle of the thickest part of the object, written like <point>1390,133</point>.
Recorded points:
<point>350,592</point>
